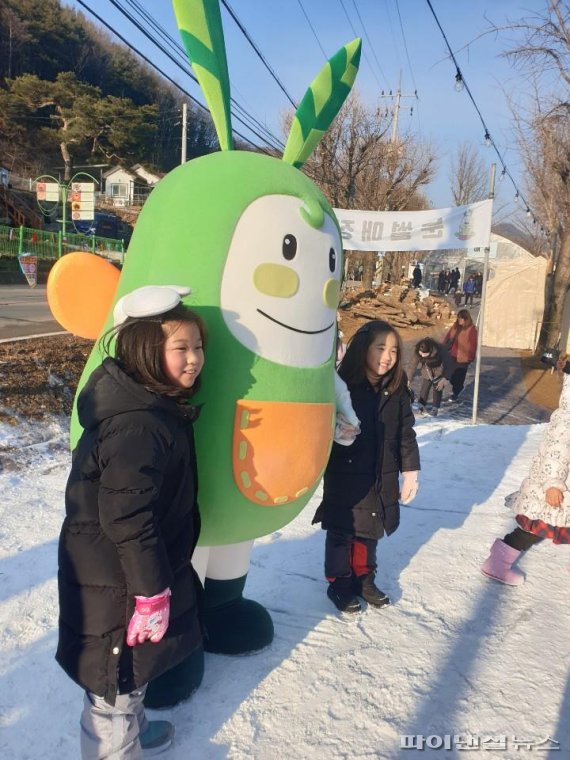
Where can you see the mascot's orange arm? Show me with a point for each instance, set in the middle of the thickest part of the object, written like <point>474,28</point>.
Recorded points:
<point>80,292</point>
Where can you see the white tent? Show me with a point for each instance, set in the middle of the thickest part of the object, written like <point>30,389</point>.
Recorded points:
<point>515,296</point>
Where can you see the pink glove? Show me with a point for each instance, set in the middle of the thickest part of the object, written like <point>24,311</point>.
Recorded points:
<point>150,618</point>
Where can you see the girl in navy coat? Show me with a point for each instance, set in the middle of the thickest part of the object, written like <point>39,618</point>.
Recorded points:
<point>361,481</point>
<point>128,595</point>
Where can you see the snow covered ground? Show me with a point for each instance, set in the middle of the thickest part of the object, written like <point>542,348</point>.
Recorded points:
<point>457,658</point>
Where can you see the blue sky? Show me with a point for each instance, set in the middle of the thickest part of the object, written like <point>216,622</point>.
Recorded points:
<point>413,49</point>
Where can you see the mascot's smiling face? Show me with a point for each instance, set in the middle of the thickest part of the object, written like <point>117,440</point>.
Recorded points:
<point>281,281</point>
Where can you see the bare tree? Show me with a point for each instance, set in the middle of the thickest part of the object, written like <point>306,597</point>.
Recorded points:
<point>467,175</point>
<point>543,133</point>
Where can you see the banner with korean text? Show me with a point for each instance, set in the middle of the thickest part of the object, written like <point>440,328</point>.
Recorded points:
<point>434,229</point>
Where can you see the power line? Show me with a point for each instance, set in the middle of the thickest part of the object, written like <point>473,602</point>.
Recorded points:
<point>313,30</point>
<point>167,77</point>
<point>368,40</point>
<point>366,58</point>
<point>409,63</point>
<point>405,45</point>
<point>258,52</point>
<point>183,67</point>
<point>460,84</point>
<point>177,47</point>
<point>274,141</point>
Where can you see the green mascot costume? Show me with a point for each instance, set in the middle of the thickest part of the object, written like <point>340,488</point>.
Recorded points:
<point>259,246</point>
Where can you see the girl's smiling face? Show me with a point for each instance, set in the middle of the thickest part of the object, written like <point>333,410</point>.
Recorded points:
<point>182,353</point>
<point>381,356</point>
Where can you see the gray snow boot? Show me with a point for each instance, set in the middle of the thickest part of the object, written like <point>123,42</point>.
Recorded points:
<point>365,587</point>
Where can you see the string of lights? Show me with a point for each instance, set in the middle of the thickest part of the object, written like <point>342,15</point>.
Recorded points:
<point>461,84</point>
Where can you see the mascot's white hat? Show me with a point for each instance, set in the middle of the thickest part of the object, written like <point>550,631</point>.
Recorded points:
<point>148,301</point>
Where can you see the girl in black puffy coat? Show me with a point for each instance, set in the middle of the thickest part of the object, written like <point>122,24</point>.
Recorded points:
<point>128,594</point>
<point>361,481</point>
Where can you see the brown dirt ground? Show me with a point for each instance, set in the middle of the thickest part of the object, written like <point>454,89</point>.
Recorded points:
<point>542,384</point>
<point>38,377</point>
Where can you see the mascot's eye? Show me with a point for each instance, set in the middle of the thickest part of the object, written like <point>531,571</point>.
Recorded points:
<point>289,248</point>
<point>332,259</point>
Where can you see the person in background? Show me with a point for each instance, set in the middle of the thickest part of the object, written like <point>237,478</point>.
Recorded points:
<point>417,276</point>
<point>455,276</point>
<point>478,284</point>
<point>441,282</point>
<point>361,481</point>
<point>128,595</point>
<point>542,504</point>
<point>469,290</point>
<point>435,370</point>
<point>461,345</point>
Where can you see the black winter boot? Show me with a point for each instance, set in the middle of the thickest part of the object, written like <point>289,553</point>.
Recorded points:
<point>341,594</point>
<point>365,587</point>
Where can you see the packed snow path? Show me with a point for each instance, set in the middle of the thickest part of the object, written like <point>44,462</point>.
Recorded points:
<point>455,655</point>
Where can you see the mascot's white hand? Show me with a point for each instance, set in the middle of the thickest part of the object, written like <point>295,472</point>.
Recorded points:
<point>343,402</point>
<point>344,432</point>
<point>410,486</point>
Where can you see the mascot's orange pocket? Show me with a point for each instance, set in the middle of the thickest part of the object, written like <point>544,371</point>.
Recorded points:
<point>280,449</point>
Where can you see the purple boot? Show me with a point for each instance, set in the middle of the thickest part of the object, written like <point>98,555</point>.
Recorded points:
<point>498,564</point>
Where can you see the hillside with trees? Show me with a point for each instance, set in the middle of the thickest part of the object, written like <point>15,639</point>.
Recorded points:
<point>71,96</point>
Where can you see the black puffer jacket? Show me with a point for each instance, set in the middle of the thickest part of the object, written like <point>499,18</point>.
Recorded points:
<point>131,526</point>
<point>385,447</point>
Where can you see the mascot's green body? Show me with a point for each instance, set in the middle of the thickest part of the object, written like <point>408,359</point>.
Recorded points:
<point>259,246</point>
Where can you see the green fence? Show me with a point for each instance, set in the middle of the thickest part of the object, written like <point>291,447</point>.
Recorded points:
<point>15,241</point>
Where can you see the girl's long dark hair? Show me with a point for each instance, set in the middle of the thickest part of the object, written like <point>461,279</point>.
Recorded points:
<point>138,349</point>
<point>352,368</point>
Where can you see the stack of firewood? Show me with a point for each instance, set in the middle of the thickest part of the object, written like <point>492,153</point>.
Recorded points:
<point>399,305</point>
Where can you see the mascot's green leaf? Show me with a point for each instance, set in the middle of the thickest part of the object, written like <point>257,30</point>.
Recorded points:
<point>200,25</point>
<point>322,102</point>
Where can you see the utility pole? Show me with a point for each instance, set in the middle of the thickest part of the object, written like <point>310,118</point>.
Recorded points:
<point>184,132</point>
<point>397,98</point>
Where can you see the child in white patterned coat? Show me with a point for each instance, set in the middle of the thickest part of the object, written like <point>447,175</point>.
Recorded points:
<point>542,504</point>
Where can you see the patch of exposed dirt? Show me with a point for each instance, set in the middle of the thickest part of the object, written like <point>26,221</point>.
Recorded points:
<point>542,384</point>
<point>38,377</point>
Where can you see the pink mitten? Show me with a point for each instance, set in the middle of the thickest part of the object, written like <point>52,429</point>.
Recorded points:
<point>150,618</point>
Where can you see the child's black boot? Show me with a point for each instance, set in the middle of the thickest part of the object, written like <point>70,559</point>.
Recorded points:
<point>365,587</point>
<point>341,594</point>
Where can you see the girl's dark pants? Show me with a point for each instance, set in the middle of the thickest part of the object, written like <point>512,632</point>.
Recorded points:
<point>424,393</point>
<point>347,554</point>
<point>521,540</point>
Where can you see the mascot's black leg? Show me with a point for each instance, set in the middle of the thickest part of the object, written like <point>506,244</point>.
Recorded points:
<point>234,625</point>
<point>176,684</point>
